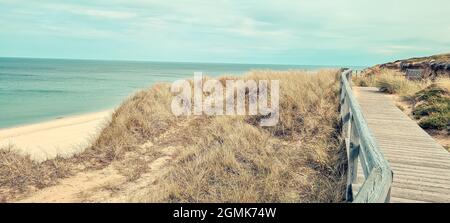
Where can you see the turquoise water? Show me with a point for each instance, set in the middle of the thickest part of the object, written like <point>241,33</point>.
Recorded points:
<point>34,90</point>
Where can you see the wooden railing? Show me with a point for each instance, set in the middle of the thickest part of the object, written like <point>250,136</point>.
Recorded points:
<point>361,145</point>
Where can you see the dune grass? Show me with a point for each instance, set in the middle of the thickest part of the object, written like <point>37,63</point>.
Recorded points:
<point>19,173</point>
<point>437,58</point>
<point>217,158</point>
<point>392,82</point>
<point>232,159</point>
<point>429,100</point>
<point>443,82</point>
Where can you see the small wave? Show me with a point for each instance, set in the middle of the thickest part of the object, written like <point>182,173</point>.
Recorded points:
<point>16,75</point>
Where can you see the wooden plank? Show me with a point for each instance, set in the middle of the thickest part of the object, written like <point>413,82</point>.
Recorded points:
<point>419,195</point>
<point>415,183</point>
<point>404,200</point>
<point>413,168</point>
<point>421,166</point>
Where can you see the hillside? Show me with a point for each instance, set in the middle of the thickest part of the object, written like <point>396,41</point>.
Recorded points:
<point>428,67</point>
<point>146,154</point>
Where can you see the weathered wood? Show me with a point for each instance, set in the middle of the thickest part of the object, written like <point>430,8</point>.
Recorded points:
<point>375,188</point>
<point>354,154</point>
<point>364,164</point>
<point>361,144</point>
<point>421,166</point>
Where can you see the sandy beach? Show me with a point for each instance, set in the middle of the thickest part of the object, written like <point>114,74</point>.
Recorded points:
<point>64,136</point>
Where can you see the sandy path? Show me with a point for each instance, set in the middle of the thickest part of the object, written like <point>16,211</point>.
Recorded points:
<point>105,185</point>
<point>63,136</point>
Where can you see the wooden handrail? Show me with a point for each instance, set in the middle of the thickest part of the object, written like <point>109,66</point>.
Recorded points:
<point>361,145</point>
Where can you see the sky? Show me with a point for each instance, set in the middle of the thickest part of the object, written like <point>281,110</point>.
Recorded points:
<point>310,32</point>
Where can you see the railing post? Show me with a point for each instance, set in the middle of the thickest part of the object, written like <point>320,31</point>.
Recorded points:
<point>354,153</point>
<point>350,159</point>
<point>360,144</point>
<point>349,78</point>
<point>345,116</point>
<point>341,99</point>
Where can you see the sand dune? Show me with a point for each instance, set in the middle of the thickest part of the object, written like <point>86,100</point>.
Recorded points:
<point>63,136</point>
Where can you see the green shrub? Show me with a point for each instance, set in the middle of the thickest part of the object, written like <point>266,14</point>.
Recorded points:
<point>436,121</point>
<point>430,92</point>
<point>433,105</point>
<point>433,108</point>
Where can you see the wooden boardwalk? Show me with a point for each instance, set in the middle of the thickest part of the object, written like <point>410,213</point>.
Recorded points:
<point>421,166</point>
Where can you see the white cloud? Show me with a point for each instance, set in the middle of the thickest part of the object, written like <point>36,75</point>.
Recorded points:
<point>397,49</point>
<point>76,32</point>
<point>91,11</point>
<point>380,27</point>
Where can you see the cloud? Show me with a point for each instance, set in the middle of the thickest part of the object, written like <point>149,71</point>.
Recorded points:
<point>91,11</point>
<point>278,29</point>
<point>396,49</point>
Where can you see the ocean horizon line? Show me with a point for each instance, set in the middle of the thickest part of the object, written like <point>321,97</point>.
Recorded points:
<point>180,62</point>
<point>39,89</point>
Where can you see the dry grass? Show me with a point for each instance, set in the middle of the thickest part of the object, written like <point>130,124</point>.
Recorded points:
<point>392,82</point>
<point>437,58</point>
<point>219,158</point>
<point>443,82</point>
<point>232,159</point>
<point>140,118</point>
<point>143,116</point>
<point>18,173</point>
<point>364,80</point>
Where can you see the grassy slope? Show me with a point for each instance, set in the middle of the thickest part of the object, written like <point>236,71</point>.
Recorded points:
<point>233,159</point>
<point>437,58</point>
<point>216,159</point>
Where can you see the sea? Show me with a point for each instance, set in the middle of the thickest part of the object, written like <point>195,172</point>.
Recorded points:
<point>35,90</point>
